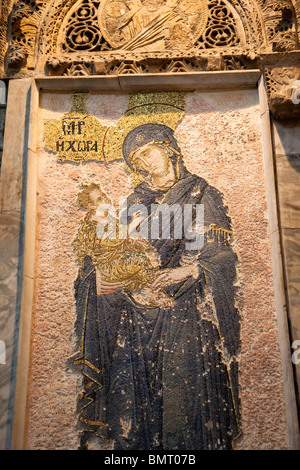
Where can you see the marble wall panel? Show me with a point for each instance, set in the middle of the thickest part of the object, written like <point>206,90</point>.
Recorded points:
<point>286,142</point>
<point>9,301</point>
<point>13,163</point>
<point>288,182</point>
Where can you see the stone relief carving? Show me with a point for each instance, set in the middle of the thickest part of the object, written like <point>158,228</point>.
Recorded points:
<point>49,33</point>
<point>81,31</point>
<point>5,11</point>
<point>87,37</point>
<point>153,25</point>
<point>280,25</point>
<point>282,80</point>
<point>24,24</point>
<point>296,92</point>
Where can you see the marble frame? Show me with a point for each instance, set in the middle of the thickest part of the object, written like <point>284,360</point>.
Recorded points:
<point>127,83</point>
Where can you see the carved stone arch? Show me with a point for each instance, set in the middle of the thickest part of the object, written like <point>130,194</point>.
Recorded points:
<point>234,18</point>
<point>22,33</point>
<point>80,30</point>
<point>264,22</point>
<point>270,24</point>
<point>262,26</point>
<point>280,23</point>
<point>252,20</point>
<point>5,8</point>
<point>50,25</point>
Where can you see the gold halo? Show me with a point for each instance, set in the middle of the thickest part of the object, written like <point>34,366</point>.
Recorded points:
<point>151,108</point>
<point>148,113</point>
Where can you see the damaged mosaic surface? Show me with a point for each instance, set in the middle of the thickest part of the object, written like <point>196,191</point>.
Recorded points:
<point>183,375</point>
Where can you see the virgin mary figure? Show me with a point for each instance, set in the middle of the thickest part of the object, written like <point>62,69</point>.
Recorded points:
<point>164,378</point>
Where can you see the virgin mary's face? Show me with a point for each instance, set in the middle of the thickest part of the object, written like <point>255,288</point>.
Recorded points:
<point>152,159</point>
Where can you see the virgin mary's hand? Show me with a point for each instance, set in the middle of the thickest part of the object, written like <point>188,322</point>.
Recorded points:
<point>167,277</point>
<point>104,287</point>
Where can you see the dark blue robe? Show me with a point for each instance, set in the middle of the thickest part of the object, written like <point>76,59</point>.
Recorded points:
<point>165,378</point>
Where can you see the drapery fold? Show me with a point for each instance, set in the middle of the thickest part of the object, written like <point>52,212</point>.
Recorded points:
<point>165,378</point>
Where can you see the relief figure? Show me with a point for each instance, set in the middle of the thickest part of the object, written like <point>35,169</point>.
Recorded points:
<point>152,25</point>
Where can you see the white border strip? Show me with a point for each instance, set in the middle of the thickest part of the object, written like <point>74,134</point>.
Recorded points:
<point>23,357</point>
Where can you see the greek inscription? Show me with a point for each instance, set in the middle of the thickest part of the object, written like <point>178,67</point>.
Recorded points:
<point>72,128</point>
<point>76,146</point>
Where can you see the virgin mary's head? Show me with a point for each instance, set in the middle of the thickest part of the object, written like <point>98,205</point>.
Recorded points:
<point>151,159</point>
<point>151,151</point>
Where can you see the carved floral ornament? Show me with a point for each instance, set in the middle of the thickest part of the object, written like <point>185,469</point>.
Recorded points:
<point>65,34</point>
<point>96,37</point>
<point>283,85</point>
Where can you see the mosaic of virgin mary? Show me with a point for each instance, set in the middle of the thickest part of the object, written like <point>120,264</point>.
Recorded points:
<point>163,375</point>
